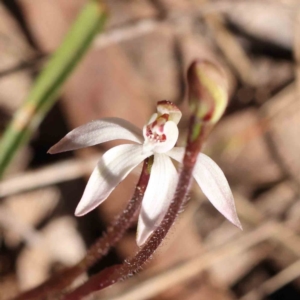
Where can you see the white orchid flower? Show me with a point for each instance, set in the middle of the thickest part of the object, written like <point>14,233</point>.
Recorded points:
<point>158,138</point>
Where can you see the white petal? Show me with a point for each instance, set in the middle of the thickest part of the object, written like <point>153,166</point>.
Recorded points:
<point>213,183</point>
<point>113,167</point>
<point>158,196</point>
<point>97,132</point>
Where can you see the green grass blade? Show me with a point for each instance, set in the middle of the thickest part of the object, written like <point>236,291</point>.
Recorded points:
<point>46,89</point>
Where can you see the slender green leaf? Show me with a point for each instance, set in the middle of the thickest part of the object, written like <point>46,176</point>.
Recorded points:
<point>47,87</point>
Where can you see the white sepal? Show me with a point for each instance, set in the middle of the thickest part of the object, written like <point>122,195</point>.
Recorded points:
<point>213,183</point>
<point>112,168</point>
<point>158,196</point>
<point>97,132</point>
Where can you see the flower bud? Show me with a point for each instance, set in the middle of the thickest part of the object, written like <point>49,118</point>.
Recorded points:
<point>208,91</point>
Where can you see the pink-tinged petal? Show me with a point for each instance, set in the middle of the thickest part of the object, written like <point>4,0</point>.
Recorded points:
<point>97,132</point>
<point>213,183</point>
<point>112,168</point>
<point>158,196</point>
<point>167,107</point>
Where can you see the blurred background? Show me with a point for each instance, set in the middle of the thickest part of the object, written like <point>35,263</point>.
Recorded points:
<point>142,58</point>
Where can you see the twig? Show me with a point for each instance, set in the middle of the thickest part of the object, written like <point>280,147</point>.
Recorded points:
<point>56,173</point>
<point>127,33</point>
<point>285,235</point>
<point>145,26</point>
<point>32,63</point>
<point>193,267</point>
<point>270,230</point>
<point>273,284</point>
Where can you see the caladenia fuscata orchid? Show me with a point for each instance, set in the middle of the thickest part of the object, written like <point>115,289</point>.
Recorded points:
<point>208,96</point>
<point>158,138</point>
<point>161,189</point>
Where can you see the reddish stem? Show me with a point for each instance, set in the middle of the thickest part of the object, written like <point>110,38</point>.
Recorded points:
<point>100,248</point>
<point>202,78</point>
<point>117,273</point>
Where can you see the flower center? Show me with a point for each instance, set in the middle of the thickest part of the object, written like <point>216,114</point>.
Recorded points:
<point>155,130</point>
<point>161,133</point>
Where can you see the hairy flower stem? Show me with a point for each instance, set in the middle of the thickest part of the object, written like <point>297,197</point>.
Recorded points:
<point>208,99</point>
<point>119,272</point>
<point>51,288</point>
